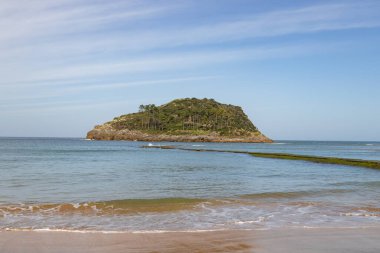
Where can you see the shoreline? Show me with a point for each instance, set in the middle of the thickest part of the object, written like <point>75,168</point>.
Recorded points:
<point>306,240</point>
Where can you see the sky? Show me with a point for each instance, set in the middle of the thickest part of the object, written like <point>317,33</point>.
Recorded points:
<point>301,70</point>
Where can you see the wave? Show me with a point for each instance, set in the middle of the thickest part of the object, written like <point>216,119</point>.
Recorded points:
<point>121,216</point>
<point>112,207</point>
<point>364,211</point>
<point>136,206</point>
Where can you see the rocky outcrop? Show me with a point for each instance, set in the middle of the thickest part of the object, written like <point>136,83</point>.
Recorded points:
<point>107,133</point>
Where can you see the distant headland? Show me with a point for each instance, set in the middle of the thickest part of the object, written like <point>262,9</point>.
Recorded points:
<point>182,120</point>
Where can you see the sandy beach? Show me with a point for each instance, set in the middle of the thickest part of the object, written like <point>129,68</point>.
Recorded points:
<point>268,241</point>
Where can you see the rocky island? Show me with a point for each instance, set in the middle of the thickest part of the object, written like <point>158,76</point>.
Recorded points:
<point>182,120</point>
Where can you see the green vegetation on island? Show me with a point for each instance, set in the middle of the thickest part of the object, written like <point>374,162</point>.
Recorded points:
<point>188,116</point>
<point>189,119</point>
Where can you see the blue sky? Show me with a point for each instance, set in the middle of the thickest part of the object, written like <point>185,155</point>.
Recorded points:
<point>300,69</point>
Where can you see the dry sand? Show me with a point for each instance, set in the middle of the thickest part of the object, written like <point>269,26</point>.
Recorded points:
<point>285,241</point>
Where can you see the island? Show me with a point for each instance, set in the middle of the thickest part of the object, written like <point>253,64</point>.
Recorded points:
<point>182,120</point>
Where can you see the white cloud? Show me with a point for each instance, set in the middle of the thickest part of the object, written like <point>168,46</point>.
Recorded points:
<point>28,99</point>
<point>158,63</point>
<point>67,42</point>
<point>87,19</point>
<point>33,19</point>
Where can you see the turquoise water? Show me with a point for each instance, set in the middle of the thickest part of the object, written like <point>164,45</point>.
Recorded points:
<point>109,185</point>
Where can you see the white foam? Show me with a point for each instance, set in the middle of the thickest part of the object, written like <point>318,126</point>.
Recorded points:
<point>359,214</point>
<point>64,230</point>
<point>260,219</point>
<point>175,231</point>
<point>109,231</point>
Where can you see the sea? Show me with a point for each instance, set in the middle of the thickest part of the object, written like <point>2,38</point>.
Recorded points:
<point>74,184</point>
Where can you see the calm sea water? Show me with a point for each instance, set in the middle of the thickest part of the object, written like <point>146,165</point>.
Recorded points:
<point>74,184</point>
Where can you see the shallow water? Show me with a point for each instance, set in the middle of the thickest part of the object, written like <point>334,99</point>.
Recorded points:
<point>119,186</point>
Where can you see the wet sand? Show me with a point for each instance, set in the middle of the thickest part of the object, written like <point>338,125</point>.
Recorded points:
<point>365,240</point>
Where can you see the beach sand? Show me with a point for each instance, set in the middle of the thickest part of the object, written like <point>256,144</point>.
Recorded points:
<point>285,241</point>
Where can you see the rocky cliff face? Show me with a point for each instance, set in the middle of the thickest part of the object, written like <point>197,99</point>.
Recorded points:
<point>182,120</point>
<point>107,133</point>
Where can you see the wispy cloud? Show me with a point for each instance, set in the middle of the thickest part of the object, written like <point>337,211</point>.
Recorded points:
<point>74,73</point>
<point>72,43</point>
<point>31,100</point>
<point>93,21</point>
<point>26,19</point>
<point>316,18</point>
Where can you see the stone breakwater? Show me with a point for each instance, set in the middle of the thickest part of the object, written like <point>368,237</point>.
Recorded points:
<point>108,133</point>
